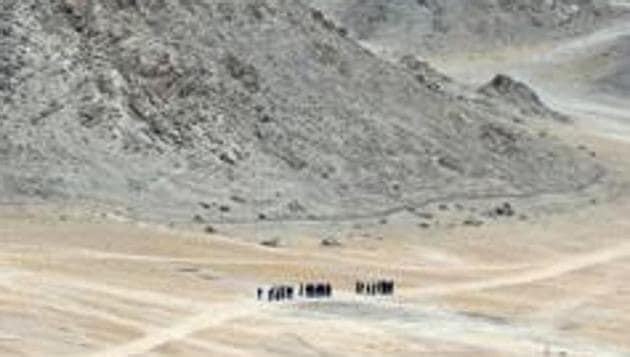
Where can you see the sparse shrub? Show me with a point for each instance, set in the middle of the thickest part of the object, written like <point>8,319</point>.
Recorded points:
<point>425,215</point>
<point>473,222</point>
<point>210,230</point>
<point>273,243</point>
<point>330,242</point>
<point>238,199</point>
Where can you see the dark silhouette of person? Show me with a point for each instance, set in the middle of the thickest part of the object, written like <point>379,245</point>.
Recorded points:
<point>259,293</point>
<point>301,293</point>
<point>290,293</point>
<point>381,287</point>
<point>270,294</point>
<point>358,287</point>
<point>328,290</point>
<point>310,291</point>
<point>320,290</point>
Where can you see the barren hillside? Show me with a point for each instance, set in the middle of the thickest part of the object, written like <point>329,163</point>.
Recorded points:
<point>429,27</point>
<point>243,110</point>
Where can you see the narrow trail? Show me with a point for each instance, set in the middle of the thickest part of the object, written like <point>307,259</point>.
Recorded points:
<point>182,329</point>
<point>584,43</point>
<point>65,303</point>
<point>569,265</point>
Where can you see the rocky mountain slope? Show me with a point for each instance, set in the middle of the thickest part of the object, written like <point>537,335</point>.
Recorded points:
<point>242,110</point>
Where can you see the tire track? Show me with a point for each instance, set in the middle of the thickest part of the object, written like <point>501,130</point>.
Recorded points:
<point>183,329</point>
<point>570,265</point>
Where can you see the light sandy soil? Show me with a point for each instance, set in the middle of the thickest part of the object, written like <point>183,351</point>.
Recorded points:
<point>550,286</point>
<point>553,285</point>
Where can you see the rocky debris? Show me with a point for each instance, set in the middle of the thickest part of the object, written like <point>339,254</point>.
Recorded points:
<point>424,73</point>
<point>224,208</point>
<point>504,210</point>
<point>520,96</point>
<point>430,27</point>
<point>243,72</point>
<point>501,139</point>
<point>151,107</point>
<point>272,243</point>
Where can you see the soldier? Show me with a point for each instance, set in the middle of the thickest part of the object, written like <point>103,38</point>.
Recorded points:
<point>358,287</point>
<point>382,287</point>
<point>290,293</point>
<point>259,293</point>
<point>310,291</point>
<point>328,289</point>
<point>270,294</point>
<point>321,290</point>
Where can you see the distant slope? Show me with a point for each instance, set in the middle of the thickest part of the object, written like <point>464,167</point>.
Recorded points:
<point>451,26</point>
<point>241,110</point>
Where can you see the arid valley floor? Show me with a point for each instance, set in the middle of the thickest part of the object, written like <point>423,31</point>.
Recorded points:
<point>542,287</point>
<point>115,289</point>
<point>555,283</point>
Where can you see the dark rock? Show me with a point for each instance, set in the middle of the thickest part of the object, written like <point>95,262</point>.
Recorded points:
<point>473,223</point>
<point>273,243</point>
<point>330,242</point>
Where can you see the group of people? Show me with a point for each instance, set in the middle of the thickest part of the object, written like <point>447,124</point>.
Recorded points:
<point>288,292</point>
<point>276,293</point>
<point>322,290</point>
<point>378,287</point>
